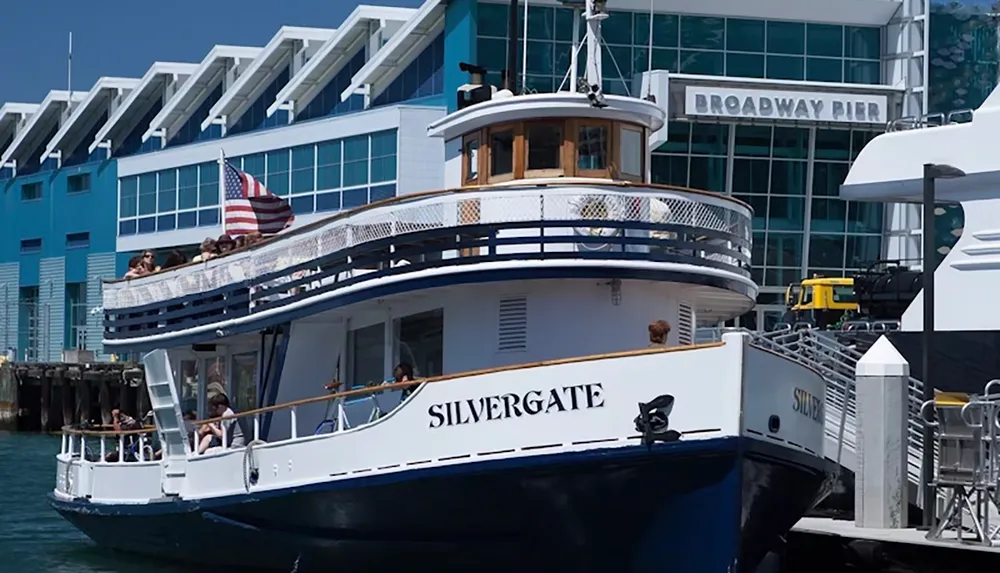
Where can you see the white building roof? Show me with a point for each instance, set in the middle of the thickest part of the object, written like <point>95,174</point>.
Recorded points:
<point>39,125</point>
<point>262,72</point>
<point>386,65</point>
<point>149,88</point>
<point>202,82</point>
<point>337,51</point>
<point>88,111</point>
<point>12,114</point>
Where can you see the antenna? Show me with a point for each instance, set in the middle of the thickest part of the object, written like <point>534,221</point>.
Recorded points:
<point>594,14</point>
<point>69,71</point>
<point>524,51</point>
<point>649,64</point>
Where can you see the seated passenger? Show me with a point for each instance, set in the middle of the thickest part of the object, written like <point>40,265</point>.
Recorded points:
<point>122,422</point>
<point>211,434</point>
<point>208,251</point>
<point>136,268</point>
<point>149,262</point>
<point>174,259</point>
<point>658,332</point>
<point>224,244</point>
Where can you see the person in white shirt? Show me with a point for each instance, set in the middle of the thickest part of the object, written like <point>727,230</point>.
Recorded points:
<point>211,434</point>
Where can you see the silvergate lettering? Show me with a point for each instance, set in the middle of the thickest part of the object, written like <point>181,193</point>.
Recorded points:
<point>505,406</point>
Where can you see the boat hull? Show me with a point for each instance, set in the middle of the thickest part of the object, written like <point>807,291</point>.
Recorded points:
<point>706,505</point>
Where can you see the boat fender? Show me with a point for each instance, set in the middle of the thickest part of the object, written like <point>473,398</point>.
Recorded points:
<point>653,421</point>
<point>251,469</point>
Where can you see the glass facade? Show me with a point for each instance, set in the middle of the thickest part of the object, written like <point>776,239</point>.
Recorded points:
<point>687,44</point>
<point>326,176</point>
<point>791,177</point>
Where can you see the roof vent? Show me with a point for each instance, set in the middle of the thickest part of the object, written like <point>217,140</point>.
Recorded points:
<point>512,326</point>
<point>685,324</point>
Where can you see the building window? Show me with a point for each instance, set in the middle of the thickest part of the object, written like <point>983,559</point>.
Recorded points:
<point>78,240</point>
<point>79,183</point>
<point>31,246</point>
<point>712,45</point>
<point>76,316</point>
<point>31,191</point>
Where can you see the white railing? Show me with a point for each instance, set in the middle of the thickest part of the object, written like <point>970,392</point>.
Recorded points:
<point>931,120</point>
<point>541,201</point>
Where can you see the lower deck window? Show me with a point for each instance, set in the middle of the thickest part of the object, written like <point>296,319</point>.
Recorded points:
<point>420,342</point>
<point>368,355</point>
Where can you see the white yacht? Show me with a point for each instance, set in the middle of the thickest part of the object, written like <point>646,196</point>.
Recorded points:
<point>541,430</point>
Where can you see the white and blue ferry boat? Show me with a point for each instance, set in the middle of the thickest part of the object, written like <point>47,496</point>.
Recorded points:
<point>541,430</point>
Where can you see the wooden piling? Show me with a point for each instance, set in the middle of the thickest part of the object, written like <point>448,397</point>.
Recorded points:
<point>105,399</point>
<point>45,403</point>
<point>83,400</point>
<point>68,401</point>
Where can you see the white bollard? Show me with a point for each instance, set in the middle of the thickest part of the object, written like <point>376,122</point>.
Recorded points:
<point>881,486</point>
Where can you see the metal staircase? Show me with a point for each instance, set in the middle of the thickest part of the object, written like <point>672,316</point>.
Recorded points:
<point>836,362</point>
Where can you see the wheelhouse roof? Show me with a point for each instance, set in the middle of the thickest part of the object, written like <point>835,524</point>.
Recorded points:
<point>261,72</point>
<point>335,54</point>
<point>133,107</point>
<point>39,125</point>
<point>12,114</point>
<point>209,73</point>
<point>406,44</point>
<point>87,111</point>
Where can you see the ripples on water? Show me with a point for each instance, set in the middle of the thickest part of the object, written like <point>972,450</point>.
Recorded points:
<point>33,537</point>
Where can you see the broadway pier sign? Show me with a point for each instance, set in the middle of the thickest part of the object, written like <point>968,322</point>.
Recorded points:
<point>787,105</point>
<point>512,405</point>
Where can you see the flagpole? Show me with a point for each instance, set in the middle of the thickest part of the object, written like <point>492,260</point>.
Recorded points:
<point>222,187</point>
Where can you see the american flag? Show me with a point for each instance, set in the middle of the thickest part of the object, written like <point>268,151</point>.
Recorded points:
<point>250,207</point>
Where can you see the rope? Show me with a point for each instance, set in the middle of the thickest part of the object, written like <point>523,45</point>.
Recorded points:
<point>251,471</point>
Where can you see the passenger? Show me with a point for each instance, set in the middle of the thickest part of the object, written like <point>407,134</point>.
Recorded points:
<point>241,241</point>
<point>211,434</point>
<point>404,373</point>
<point>253,238</point>
<point>149,261</point>
<point>121,422</point>
<point>208,251</point>
<point>225,244</point>
<point>174,259</point>
<point>658,332</point>
<point>135,268</point>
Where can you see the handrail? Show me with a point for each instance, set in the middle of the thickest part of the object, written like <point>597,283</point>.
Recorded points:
<point>568,182</point>
<point>466,374</point>
<point>69,429</point>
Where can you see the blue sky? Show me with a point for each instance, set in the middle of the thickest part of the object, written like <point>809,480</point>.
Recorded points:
<point>122,38</point>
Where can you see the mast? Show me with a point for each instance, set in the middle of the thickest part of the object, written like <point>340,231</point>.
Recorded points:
<point>594,14</point>
<point>511,76</point>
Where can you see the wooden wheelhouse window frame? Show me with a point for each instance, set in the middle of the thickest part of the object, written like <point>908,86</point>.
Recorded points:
<point>549,172</point>
<point>568,156</point>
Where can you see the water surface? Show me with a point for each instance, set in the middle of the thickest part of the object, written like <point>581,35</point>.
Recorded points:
<point>33,538</point>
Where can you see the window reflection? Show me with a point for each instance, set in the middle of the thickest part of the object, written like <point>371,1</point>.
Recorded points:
<point>471,154</point>
<point>592,148</point>
<point>244,383</point>
<point>187,385</point>
<point>502,152</point>
<point>631,150</point>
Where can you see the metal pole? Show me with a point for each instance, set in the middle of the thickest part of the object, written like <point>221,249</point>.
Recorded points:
<point>512,48</point>
<point>929,259</point>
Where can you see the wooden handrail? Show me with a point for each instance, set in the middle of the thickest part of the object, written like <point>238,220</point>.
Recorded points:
<point>107,433</point>
<point>422,195</point>
<point>467,374</point>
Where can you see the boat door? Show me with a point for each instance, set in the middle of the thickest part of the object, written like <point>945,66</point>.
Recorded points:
<point>169,422</point>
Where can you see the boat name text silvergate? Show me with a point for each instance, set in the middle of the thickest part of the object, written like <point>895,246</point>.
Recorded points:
<point>504,406</point>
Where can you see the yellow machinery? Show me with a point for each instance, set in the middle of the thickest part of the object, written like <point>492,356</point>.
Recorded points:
<point>821,301</point>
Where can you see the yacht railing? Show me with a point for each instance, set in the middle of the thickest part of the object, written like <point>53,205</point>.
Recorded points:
<point>931,120</point>
<point>77,441</point>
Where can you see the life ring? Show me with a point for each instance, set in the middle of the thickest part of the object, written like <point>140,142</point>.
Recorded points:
<point>600,208</point>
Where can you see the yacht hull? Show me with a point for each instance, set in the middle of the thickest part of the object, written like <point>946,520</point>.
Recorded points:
<point>700,505</point>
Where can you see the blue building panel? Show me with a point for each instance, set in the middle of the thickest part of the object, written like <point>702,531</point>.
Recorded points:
<point>255,117</point>
<point>8,304</point>
<point>327,102</point>
<point>191,131</point>
<point>100,266</point>
<point>52,291</point>
<point>424,77</point>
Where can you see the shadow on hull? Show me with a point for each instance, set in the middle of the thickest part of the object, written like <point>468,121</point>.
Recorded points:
<point>712,505</point>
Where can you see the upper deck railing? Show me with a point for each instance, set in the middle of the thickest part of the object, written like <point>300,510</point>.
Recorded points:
<point>544,220</point>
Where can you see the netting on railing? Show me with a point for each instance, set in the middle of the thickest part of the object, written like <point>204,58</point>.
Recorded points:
<point>498,206</point>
